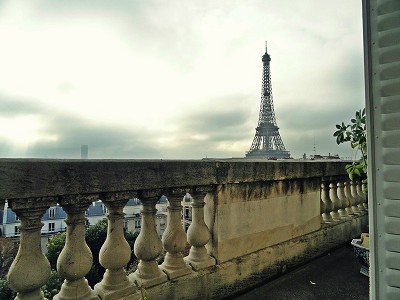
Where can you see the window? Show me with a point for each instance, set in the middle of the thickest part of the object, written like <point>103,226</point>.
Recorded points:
<point>16,230</point>
<point>105,210</point>
<point>16,218</point>
<point>138,223</point>
<point>162,221</point>
<point>52,213</point>
<point>86,212</point>
<point>51,227</point>
<point>187,214</point>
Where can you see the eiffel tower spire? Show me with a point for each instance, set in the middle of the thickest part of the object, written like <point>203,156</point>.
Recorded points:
<point>267,142</point>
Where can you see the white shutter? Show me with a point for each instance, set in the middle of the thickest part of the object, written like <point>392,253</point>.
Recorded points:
<point>382,69</point>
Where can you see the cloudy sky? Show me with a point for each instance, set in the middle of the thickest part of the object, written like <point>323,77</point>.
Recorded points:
<point>174,79</point>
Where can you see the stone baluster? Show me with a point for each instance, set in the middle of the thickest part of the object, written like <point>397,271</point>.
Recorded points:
<point>360,195</point>
<point>364,191</point>
<point>350,210</point>
<point>148,245</point>
<point>337,204</point>
<point>326,216</point>
<point>75,259</point>
<point>353,193</point>
<point>115,254</point>
<point>30,269</point>
<point>174,241</point>
<point>322,209</point>
<point>198,233</point>
<point>345,202</point>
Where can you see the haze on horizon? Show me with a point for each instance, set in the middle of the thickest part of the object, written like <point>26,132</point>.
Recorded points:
<point>174,79</point>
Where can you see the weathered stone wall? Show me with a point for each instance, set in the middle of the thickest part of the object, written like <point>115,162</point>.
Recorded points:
<point>246,217</point>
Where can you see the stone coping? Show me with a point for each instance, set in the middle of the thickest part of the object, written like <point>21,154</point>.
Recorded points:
<point>37,178</point>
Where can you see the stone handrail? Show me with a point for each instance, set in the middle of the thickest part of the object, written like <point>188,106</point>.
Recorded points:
<point>228,188</point>
<point>342,198</point>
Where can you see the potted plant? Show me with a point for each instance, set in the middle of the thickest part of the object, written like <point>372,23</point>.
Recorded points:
<point>356,134</point>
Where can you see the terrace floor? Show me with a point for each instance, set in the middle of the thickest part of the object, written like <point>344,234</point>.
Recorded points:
<point>333,276</point>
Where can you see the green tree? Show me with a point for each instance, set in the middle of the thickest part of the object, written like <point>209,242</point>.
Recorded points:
<point>95,237</point>
<point>54,245</point>
<point>5,291</point>
<point>53,285</point>
<point>8,251</point>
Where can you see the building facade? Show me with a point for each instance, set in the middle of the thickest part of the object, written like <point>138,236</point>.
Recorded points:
<point>54,218</point>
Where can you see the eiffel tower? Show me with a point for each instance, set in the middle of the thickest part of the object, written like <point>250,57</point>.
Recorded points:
<point>267,142</point>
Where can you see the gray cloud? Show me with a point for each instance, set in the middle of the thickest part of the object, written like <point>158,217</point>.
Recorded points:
<point>15,107</point>
<point>105,141</point>
<point>316,74</point>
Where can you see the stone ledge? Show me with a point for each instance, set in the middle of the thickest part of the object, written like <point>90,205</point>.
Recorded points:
<point>27,178</point>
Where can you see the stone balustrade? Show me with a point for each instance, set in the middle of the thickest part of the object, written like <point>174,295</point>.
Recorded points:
<point>242,210</point>
<point>342,198</point>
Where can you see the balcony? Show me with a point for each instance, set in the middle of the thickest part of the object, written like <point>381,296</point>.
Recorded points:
<point>251,220</point>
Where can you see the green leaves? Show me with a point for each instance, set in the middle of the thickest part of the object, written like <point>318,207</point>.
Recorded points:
<point>55,244</point>
<point>95,237</point>
<point>5,291</point>
<point>356,134</point>
<point>355,168</point>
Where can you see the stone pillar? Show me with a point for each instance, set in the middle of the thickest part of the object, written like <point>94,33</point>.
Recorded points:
<point>30,269</point>
<point>75,259</point>
<point>174,241</point>
<point>148,245</point>
<point>326,216</point>
<point>114,255</point>
<point>354,196</point>
<point>337,204</point>
<point>345,202</point>
<point>351,200</point>
<point>360,195</point>
<point>322,207</point>
<point>199,234</point>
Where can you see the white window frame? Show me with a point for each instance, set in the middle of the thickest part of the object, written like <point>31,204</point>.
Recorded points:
<point>52,213</point>
<point>138,224</point>
<point>52,227</point>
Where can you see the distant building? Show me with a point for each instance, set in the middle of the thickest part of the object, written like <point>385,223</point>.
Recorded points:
<point>186,211</point>
<point>132,211</point>
<point>84,152</point>
<point>329,156</point>
<point>53,219</point>
<point>133,218</point>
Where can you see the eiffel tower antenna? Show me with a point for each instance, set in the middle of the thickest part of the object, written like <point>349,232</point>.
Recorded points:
<point>267,142</point>
<point>315,147</point>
